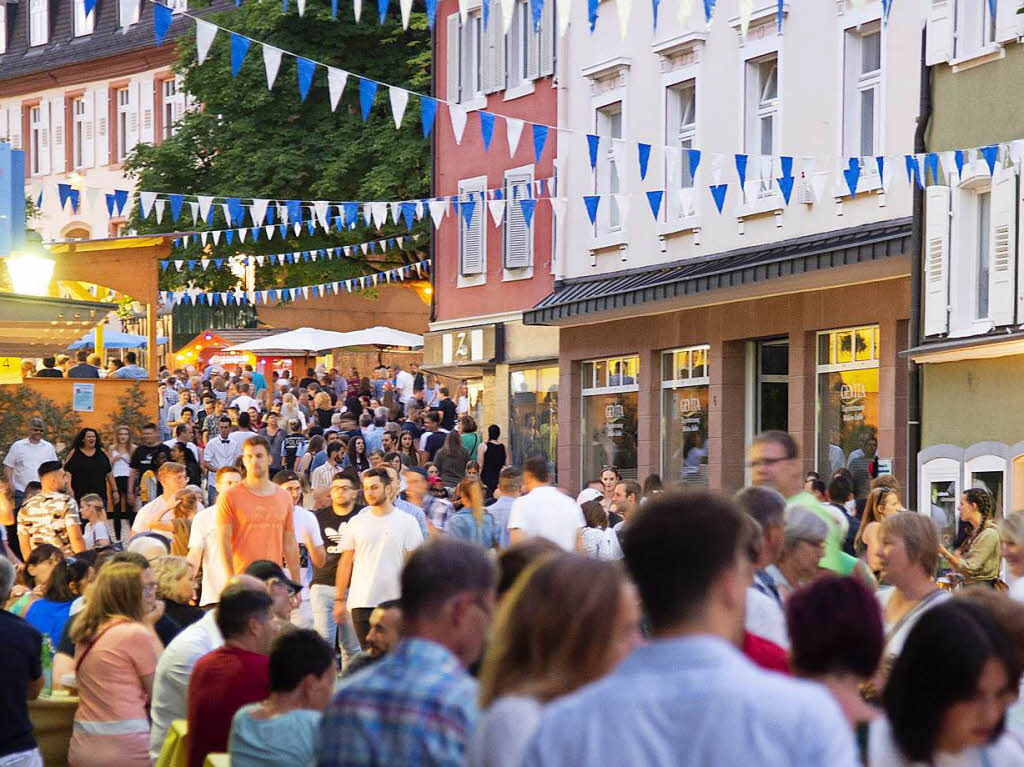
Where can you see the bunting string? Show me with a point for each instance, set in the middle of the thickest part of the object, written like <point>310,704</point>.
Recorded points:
<point>294,257</point>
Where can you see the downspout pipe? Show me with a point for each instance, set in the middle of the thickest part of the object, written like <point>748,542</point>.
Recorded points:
<point>433,180</point>
<point>917,259</point>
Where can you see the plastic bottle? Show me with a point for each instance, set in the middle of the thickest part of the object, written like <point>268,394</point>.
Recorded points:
<point>47,662</point>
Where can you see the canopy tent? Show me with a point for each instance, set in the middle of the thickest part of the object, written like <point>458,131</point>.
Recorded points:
<point>379,335</point>
<point>113,339</point>
<point>307,341</point>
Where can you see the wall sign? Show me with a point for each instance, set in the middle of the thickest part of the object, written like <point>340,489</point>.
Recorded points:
<point>464,346</point>
<point>83,397</point>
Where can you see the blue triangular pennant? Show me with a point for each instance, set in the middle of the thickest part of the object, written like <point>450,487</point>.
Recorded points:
<point>992,8</point>
<point>931,163</point>
<point>235,210</point>
<point>540,138</point>
<point>218,262</point>
<point>786,164</point>
<point>311,226</point>
<point>428,111</point>
<point>852,175</point>
<point>694,157</point>
<point>89,5</point>
<point>786,187</point>
<point>120,198</point>
<point>110,205</point>
<point>486,129</point>
<point>537,10</point>
<point>654,9</point>
<point>305,69</point>
<point>643,155</point>
<point>229,236</point>
<point>162,16</point>
<point>886,7</point>
<point>991,154</point>
<point>467,208</point>
<point>880,162</point>
<point>294,208</point>
<point>593,142</point>
<point>239,47</point>
<point>709,10</point>
<point>367,93</point>
<point>334,9</point>
<point>408,213</point>
<point>351,212</point>
<point>718,194</point>
<point>592,13</point>
<point>654,200</point>
<point>741,169</point>
<point>527,206</point>
<point>64,191</point>
<point>779,8</point>
<point>176,201</point>
<point>282,230</point>
<point>191,263</point>
<point>958,158</point>
<point>163,266</point>
<point>254,232</point>
<point>382,10</point>
<point>914,170</point>
<point>592,201</point>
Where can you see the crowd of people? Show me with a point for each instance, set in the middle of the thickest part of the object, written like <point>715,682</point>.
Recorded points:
<point>352,592</point>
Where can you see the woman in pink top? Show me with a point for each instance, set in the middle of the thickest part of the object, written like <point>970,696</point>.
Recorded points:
<point>116,653</point>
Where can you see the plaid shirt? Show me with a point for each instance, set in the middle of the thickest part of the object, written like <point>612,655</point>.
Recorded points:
<point>416,707</point>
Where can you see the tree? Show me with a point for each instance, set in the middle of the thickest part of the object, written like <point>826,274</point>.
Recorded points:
<point>247,141</point>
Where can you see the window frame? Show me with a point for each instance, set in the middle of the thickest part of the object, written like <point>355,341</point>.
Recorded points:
<point>983,37</point>
<point>519,272</point>
<point>963,261</point>
<point>122,113</point>
<point>38,10</point>
<point>167,127</point>
<point>476,185</point>
<point>3,28</point>
<point>78,132</point>
<point>128,13</point>
<point>760,194</point>
<point>672,384</point>
<point>608,182</point>
<point>35,138</point>
<point>81,23</point>
<point>594,390</point>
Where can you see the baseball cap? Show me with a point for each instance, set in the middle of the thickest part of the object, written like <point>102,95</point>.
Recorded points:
<point>264,569</point>
<point>588,494</point>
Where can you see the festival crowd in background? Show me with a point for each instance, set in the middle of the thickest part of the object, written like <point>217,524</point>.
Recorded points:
<point>343,570</point>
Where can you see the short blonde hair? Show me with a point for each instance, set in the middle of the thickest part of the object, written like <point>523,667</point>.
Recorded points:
<point>168,570</point>
<point>1011,529</point>
<point>919,535</point>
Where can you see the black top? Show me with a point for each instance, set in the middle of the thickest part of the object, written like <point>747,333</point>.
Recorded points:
<point>434,443</point>
<point>142,458</point>
<point>183,615</point>
<point>84,370</point>
<point>494,460</point>
<point>290,446</point>
<point>306,382</point>
<point>323,417</point>
<point>331,526</point>
<point>411,426</point>
<point>22,664</point>
<point>166,628</point>
<point>88,474</point>
<point>49,373</point>
<point>448,413</point>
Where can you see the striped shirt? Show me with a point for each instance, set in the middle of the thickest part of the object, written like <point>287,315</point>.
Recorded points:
<point>415,708</point>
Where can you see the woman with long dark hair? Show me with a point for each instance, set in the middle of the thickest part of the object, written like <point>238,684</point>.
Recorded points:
<point>356,455</point>
<point>407,449</point>
<point>90,468</point>
<point>50,612</point>
<point>451,460</point>
<point>493,457</point>
<point>180,453</point>
<point>977,559</point>
<point>948,692</point>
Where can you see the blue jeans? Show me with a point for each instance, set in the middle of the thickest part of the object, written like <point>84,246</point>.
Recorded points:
<point>211,493</point>
<point>321,599</point>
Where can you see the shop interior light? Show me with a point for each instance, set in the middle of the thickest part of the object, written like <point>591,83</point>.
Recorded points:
<point>31,272</point>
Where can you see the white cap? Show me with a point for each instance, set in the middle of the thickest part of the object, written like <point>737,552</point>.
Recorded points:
<point>588,494</point>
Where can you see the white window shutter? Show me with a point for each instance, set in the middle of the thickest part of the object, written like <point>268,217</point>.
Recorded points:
<point>453,65</point>
<point>14,123</point>
<point>936,261</point>
<point>132,137</point>
<point>533,54</point>
<point>472,239</point>
<point>88,129</point>
<point>939,32</point>
<point>1006,20</point>
<point>101,108</point>
<point>5,134</point>
<point>494,55</point>
<point>44,137</point>
<point>58,137</point>
<point>180,103</point>
<point>518,236</point>
<point>547,38</point>
<point>146,106</point>
<point>1003,247</point>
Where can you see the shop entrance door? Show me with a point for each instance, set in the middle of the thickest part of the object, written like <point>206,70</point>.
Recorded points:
<point>772,386</point>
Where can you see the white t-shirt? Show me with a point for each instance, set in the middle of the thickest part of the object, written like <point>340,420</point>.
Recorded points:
<point>381,543</point>
<point>191,446</point>
<point>24,458</point>
<point>883,752</point>
<point>765,618</point>
<point>204,535</point>
<point>244,402</point>
<point>307,531</point>
<point>95,531</point>
<point>404,383</point>
<point>601,544</point>
<point>547,513</point>
<point>240,438</point>
<point>154,511</point>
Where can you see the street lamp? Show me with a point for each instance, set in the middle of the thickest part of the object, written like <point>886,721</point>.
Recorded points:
<point>31,272</point>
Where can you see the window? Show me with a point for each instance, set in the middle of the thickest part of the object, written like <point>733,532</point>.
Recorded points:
<point>170,106</point>
<point>983,221</point>
<point>771,405</point>
<point>762,122</point>
<point>847,370</point>
<point>37,142</point>
<point>38,22</point>
<point>533,414</point>
<point>472,58</point>
<point>3,27</point>
<point>123,123</point>
<point>84,25</point>
<point>862,91</point>
<point>177,6</point>
<point>127,12</point>
<point>684,415</point>
<point>609,127</point>
<point>975,27</point>
<point>518,237</point>
<point>521,50</point>
<point>472,236</point>
<point>78,132</point>
<point>609,424</point>
<point>680,132</point>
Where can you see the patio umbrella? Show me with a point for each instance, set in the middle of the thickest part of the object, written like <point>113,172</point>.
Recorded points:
<point>306,341</point>
<point>381,336</point>
<point>113,339</point>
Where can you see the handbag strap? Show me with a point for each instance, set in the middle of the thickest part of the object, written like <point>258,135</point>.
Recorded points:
<point>95,640</point>
<point>921,604</point>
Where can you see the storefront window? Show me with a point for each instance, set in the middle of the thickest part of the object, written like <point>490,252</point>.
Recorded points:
<point>533,415</point>
<point>609,390</point>
<point>848,404</point>
<point>684,415</point>
<point>475,392</point>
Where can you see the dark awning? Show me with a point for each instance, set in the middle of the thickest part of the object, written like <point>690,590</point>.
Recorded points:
<point>802,255</point>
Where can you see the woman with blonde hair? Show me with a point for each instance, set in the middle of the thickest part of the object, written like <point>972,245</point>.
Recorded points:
<point>120,458</point>
<point>1011,533</point>
<point>97,528</point>
<point>882,502</point>
<point>566,622</point>
<point>323,409</point>
<point>175,587</point>
<point>116,653</point>
<point>472,522</point>
<point>187,503</point>
<point>290,410</point>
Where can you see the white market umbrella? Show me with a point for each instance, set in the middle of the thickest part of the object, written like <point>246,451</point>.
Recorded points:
<point>382,336</point>
<point>307,341</point>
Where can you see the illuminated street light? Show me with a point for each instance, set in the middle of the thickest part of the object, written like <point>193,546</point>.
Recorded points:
<point>31,272</point>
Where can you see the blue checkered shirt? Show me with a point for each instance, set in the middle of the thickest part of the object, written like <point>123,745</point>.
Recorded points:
<point>415,708</point>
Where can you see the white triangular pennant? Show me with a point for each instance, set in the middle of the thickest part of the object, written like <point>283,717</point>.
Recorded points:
<point>178,263</point>
<point>204,237</point>
<point>357,9</point>
<point>564,11</point>
<point>406,8</point>
<point>216,236</point>
<point>320,209</point>
<point>241,234</point>
<point>399,100</point>
<point>437,211</point>
<point>260,260</point>
<point>625,9</point>
<point>204,262</point>
<point>160,205</point>
<point>514,129</point>
<point>379,213</point>
<point>497,208</point>
<point>205,32</point>
<point>685,11</point>
<point>365,247</point>
<point>297,228</point>
<point>227,213</point>
<point>746,11</point>
<point>146,202</point>
<point>302,7</point>
<point>508,8</point>
<point>271,63</point>
<point>464,10</point>
<point>270,229</point>
<point>457,114</point>
<point>205,201</point>
<point>336,79</point>
<point>258,211</point>
<point>194,207</point>
<point>396,211</point>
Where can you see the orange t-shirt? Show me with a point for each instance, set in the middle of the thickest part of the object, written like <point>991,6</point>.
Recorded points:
<point>258,523</point>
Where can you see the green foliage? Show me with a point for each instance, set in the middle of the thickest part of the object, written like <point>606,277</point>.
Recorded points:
<point>128,413</point>
<point>251,142</point>
<point>18,404</point>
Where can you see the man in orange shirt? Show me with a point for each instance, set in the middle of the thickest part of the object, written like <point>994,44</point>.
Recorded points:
<point>255,517</point>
